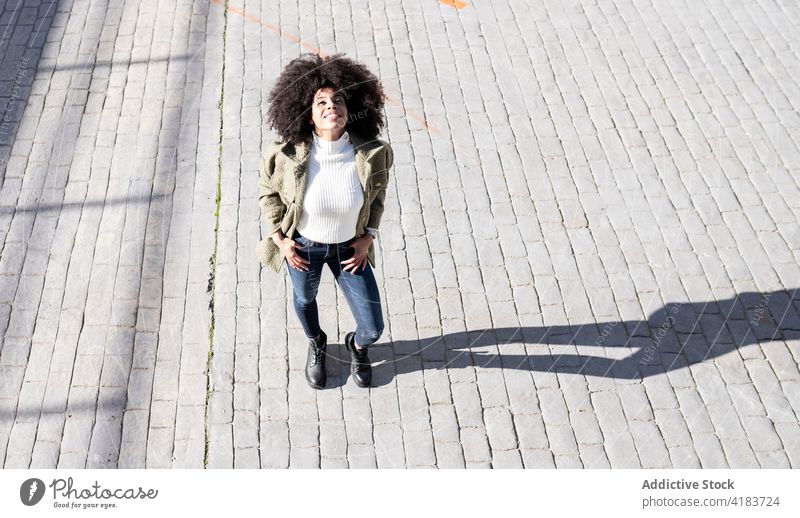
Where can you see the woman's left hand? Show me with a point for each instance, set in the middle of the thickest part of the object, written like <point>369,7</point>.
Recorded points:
<point>359,259</point>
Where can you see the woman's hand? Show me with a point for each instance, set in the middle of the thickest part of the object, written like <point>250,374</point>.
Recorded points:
<point>287,247</point>
<point>359,259</point>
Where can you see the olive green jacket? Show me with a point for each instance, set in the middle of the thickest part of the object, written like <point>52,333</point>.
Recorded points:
<point>282,184</point>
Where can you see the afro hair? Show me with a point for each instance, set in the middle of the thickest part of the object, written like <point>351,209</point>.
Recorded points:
<point>290,99</point>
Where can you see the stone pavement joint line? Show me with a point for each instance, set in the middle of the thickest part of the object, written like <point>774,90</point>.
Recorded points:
<point>213,259</point>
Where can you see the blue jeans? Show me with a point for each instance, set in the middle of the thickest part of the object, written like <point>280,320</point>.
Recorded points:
<point>359,289</point>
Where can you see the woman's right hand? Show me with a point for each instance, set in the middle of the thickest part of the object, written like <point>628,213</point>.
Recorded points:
<point>287,246</point>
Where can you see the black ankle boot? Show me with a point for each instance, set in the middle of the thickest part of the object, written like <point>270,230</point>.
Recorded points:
<point>360,366</point>
<point>315,364</point>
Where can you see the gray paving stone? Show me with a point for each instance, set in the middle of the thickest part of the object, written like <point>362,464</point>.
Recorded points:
<point>444,423</point>
<point>160,448</point>
<point>475,444</point>
<point>789,435</point>
<point>609,412</point>
<point>245,436</point>
<point>709,451</point>
<point>586,428</point>
<point>674,430</point>
<point>304,458</point>
<point>358,420</point>
<point>593,456</point>
<point>537,459</point>
<point>562,440</point>
<point>274,444</point>
<point>246,458</point>
<point>45,455</point>
<point>773,460</point>
<point>660,392</point>
<point>764,429</point>
<point>449,455</point>
<point>506,459</point>
<point>694,411</point>
<point>650,444</point>
<point>621,451</point>
<point>467,403</point>
<point>333,440</point>
<point>303,434</point>
<point>554,408</point>
<point>769,388</point>
<point>568,462</point>
<point>739,453</point>
<point>635,402</point>
<point>419,447</point>
<point>684,457</point>
<point>500,429</point>
<point>389,449</point>
<point>361,456</point>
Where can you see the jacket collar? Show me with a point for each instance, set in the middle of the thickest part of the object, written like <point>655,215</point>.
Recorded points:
<point>363,149</point>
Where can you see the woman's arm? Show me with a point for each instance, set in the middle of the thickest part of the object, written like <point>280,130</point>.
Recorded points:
<point>362,244</point>
<point>376,207</point>
<point>272,208</point>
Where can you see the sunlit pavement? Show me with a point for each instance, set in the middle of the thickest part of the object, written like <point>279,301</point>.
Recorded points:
<point>588,258</point>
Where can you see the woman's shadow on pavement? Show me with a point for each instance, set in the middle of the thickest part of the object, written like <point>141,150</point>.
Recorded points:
<point>671,338</point>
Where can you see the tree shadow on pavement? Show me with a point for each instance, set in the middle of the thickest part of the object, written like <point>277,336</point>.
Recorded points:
<point>23,31</point>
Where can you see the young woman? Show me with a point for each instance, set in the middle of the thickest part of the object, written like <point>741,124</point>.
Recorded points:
<point>321,193</point>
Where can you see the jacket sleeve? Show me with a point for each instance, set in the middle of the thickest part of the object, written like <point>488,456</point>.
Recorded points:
<point>272,208</point>
<point>376,208</point>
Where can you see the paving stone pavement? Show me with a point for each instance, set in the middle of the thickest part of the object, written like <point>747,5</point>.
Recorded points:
<point>588,258</point>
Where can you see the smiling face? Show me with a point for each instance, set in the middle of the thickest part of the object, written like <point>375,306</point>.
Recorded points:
<point>328,112</point>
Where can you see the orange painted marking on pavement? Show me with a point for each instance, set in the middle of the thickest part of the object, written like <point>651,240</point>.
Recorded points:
<point>288,35</point>
<point>291,37</point>
<point>454,3</point>
<point>419,118</point>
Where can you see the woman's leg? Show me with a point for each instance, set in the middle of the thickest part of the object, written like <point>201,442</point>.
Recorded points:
<point>361,292</point>
<point>306,284</point>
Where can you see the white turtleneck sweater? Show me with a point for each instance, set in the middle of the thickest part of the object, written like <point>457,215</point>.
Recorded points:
<point>334,196</point>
